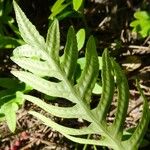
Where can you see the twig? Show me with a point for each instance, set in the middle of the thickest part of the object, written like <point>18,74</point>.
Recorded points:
<point>138,103</point>
<point>103,21</point>
<point>137,92</point>
<point>133,47</point>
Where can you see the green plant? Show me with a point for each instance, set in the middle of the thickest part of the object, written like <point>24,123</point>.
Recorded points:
<point>41,60</point>
<point>141,24</point>
<point>80,67</point>
<point>8,39</point>
<point>77,4</point>
<point>10,100</point>
<point>58,7</point>
<point>80,39</point>
<point>64,8</point>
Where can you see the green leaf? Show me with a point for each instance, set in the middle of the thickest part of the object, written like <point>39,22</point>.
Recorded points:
<point>28,31</point>
<point>58,7</point>
<point>8,42</point>
<point>97,89</point>
<point>89,75</point>
<point>9,109</point>
<point>141,15</point>
<point>40,68</point>
<point>123,100</point>
<point>66,13</point>
<point>69,58</point>
<point>80,38</point>
<point>107,88</point>
<point>63,129</point>
<point>140,130</point>
<point>6,96</point>
<point>53,41</point>
<point>10,100</point>
<point>8,83</point>
<point>77,4</point>
<point>81,61</point>
<point>44,86</point>
<point>65,112</point>
<point>141,23</point>
<point>28,51</point>
<point>57,4</point>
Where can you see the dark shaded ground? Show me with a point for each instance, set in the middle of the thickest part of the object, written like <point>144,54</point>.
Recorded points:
<point>109,22</point>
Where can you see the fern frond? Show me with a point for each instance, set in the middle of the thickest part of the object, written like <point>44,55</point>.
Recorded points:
<point>47,55</point>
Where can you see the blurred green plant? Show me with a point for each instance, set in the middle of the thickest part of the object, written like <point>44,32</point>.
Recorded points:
<point>64,8</point>
<point>141,24</point>
<point>77,4</point>
<point>9,34</point>
<point>9,38</point>
<point>10,100</point>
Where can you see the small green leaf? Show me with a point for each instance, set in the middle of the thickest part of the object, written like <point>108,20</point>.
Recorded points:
<point>141,23</point>
<point>58,7</point>
<point>19,98</point>
<point>57,4</point>
<point>77,4</point>
<point>142,15</point>
<point>80,38</point>
<point>9,109</point>
<point>66,13</point>
<point>88,141</point>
